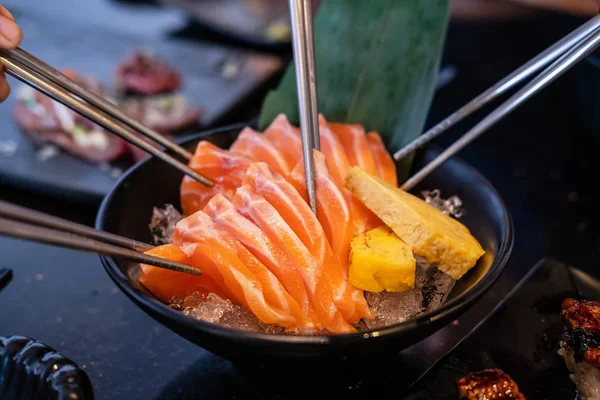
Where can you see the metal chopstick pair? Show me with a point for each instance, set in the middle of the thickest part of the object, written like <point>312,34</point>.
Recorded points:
<point>23,223</point>
<point>41,76</point>
<point>304,60</point>
<point>561,56</point>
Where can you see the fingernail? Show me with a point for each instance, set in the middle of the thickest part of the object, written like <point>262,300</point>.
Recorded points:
<point>10,31</point>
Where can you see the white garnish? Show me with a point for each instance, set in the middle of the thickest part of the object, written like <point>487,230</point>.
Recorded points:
<point>97,139</point>
<point>65,116</point>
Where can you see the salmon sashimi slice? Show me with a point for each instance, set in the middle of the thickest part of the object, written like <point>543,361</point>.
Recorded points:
<point>354,141</point>
<point>337,161</point>
<point>333,211</point>
<point>286,137</point>
<point>289,204</point>
<point>294,209</point>
<point>318,277</point>
<point>229,262</point>
<point>386,167</point>
<point>226,169</point>
<point>256,147</point>
<point>166,284</point>
<point>224,214</point>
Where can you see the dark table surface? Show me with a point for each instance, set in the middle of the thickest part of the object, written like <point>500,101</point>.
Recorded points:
<point>542,159</point>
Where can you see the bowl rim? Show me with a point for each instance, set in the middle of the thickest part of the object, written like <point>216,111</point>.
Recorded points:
<point>148,302</point>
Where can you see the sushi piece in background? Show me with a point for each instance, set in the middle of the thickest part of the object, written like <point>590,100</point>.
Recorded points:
<point>45,120</point>
<point>148,89</point>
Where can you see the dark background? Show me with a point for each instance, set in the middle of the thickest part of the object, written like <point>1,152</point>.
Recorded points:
<point>542,159</point>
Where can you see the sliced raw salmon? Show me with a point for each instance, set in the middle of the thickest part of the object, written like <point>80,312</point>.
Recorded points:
<point>333,210</point>
<point>286,137</point>
<point>256,147</point>
<point>226,169</point>
<point>281,204</point>
<point>166,284</point>
<point>224,214</point>
<point>226,259</point>
<point>386,168</point>
<point>354,141</point>
<point>288,203</point>
<point>319,279</point>
<point>337,161</point>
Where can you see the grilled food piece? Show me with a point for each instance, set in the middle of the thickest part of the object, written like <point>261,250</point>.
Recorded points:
<point>47,121</point>
<point>439,239</point>
<point>488,384</point>
<point>580,346</point>
<point>143,73</point>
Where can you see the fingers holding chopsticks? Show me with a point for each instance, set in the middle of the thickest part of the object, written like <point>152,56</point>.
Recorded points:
<point>10,38</point>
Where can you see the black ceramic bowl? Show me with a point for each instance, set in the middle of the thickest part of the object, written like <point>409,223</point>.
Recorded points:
<point>127,209</point>
<point>30,370</point>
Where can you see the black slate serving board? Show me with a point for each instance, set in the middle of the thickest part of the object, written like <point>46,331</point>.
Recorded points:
<point>244,20</point>
<point>521,337</point>
<point>96,52</point>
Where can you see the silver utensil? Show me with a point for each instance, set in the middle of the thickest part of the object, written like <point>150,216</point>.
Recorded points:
<point>23,223</point>
<point>519,75</point>
<point>577,53</point>
<point>304,61</point>
<point>59,87</point>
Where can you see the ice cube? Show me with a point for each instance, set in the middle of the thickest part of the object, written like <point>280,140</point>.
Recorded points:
<point>423,271</point>
<point>451,206</point>
<point>393,307</point>
<point>176,303</point>
<point>211,308</point>
<point>163,223</point>
<point>436,289</point>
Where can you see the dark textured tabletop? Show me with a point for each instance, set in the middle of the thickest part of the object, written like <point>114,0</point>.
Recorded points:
<point>542,159</point>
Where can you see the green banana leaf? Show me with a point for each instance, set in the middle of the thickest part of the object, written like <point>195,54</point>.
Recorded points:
<point>376,64</point>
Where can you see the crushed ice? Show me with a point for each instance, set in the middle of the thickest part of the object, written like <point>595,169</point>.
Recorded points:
<point>432,288</point>
<point>213,309</point>
<point>163,223</point>
<point>451,206</point>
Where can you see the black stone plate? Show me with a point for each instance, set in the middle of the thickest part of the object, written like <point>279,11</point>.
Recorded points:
<point>5,277</point>
<point>30,370</point>
<point>520,337</point>
<point>242,20</point>
<point>97,52</point>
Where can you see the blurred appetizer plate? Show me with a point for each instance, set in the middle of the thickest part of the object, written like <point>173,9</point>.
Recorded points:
<point>215,78</point>
<point>521,337</point>
<point>260,22</point>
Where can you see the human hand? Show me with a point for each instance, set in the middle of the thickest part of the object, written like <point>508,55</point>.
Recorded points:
<point>10,38</point>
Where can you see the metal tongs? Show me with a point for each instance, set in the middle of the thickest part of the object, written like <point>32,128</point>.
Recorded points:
<point>562,56</point>
<point>53,83</point>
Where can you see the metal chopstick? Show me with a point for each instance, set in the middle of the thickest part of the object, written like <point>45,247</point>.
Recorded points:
<point>18,213</point>
<point>312,74</point>
<point>307,94</point>
<point>56,92</point>
<point>536,64</point>
<point>555,70</point>
<point>106,106</point>
<point>22,230</point>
